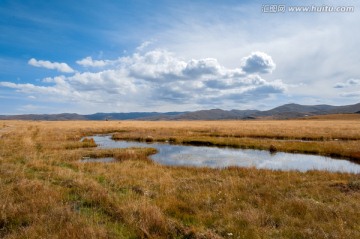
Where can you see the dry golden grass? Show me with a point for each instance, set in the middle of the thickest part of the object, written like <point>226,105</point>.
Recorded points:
<point>46,192</point>
<point>338,138</point>
<point>334,117</point>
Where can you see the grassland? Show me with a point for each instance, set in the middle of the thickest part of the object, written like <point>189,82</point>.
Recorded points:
<point>47,193</point>
<point>338,138</point>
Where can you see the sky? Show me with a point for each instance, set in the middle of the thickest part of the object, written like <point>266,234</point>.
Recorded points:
<point>143,56</point>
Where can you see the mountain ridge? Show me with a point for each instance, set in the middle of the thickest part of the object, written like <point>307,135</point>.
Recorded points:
<point>286,111</point>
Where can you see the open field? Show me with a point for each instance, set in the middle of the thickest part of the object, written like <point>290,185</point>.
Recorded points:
<point>47,193</point>
<point>338,138</point>
<point>334,117</point>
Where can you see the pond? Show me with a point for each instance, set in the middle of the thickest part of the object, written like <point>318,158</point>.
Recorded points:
<point>201,156</point>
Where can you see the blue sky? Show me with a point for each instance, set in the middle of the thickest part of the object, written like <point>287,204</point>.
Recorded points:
<point>125,56</point>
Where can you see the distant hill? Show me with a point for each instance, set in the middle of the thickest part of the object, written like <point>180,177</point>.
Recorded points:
<point>346,109</point>
<point>48,117</point>
<point>97,116</point>
<point>287,111</point>
<point>214,114</point>
<point>128,116</point>
<point>296,110</point>
<point>308,109</point>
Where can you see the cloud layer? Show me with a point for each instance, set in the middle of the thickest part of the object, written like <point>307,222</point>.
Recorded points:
<point>348,83</point>
<point>156,78</point>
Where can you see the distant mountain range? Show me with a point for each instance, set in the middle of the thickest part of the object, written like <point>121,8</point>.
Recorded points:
<point>288,111</point>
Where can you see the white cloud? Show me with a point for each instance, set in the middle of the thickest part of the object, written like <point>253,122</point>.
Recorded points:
<point>301,48</point>
<point>355,94</point>
<point>207,66</point>
<point>58,89</point>
<point>258,62</point>
<point>31,108</point>
<point>156,65</point>
<point>62,67</point>
<point>348,83</point>
<point>143,46</point>
<point>157,78</point>
<point>89,62</point>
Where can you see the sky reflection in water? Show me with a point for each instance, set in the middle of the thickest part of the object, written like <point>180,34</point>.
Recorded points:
<point>181,155</point>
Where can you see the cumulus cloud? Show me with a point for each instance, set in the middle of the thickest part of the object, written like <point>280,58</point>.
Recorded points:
<point>89,62</point>
<point>158,77</point>
<point>58,89</point>
<point>236,82</point>
<point>348,83</point>
<point>157,65</point>
<point>207,66</point>
<point>62,67</point>
<point>258,62</point>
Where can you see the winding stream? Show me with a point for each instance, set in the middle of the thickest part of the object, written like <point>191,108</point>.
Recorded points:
<point>201,156</point>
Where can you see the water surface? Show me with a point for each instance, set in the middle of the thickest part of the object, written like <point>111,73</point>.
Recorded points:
<point>202,156</point>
